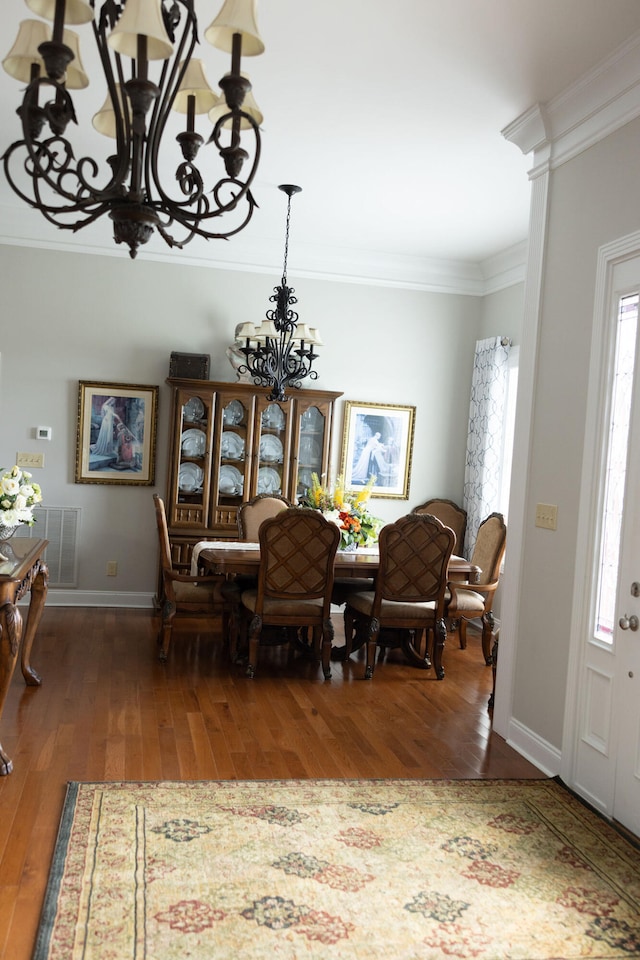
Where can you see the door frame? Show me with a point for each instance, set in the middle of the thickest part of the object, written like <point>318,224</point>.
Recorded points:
<point>598,788</point>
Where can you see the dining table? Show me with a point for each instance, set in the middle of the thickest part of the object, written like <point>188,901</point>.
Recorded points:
<point>22,571</point>
<point>237,558</point>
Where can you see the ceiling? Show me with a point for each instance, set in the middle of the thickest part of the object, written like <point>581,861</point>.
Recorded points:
<point>388,115</point>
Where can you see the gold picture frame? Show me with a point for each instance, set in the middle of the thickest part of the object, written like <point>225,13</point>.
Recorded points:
<point>116,440</point>
<point>378,441</point>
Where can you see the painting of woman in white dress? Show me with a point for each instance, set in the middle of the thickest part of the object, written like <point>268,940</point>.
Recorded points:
<point>116,433</point>
<point>378,442</point>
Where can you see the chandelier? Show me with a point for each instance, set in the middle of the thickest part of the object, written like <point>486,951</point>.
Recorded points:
<point>134,39</point>
<point>279,353</point>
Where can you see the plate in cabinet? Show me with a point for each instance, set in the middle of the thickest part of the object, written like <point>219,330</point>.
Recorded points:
<point>193,409</point>
<point>190,478</point>
<point>194,443</point>
<point>273,417</point>
<point>269,480</point>
<point>233,414</point>
<point>231,446</point>
<point>231,481</point>
<point>271,448</point>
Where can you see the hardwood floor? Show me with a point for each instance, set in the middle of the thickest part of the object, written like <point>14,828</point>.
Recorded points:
<point>109,710</point>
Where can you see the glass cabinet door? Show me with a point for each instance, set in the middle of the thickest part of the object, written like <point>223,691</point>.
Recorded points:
<point>193,436</point>
<point>234,450</point>
<point>272,448</point>
<point>312,443</point>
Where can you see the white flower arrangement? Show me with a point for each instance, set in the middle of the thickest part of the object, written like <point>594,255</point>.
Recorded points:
<point>18,497</point>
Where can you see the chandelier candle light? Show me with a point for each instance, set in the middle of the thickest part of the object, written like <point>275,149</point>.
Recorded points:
<point>135,38</point>
<point>279,353</point>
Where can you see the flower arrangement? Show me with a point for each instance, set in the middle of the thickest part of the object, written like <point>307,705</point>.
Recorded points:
<point>347,509</point>
<point>18,497</point>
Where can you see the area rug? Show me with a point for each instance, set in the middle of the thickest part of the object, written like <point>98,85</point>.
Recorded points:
<point>343,869</point>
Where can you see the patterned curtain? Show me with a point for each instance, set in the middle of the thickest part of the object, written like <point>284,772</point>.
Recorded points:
<point>485,440</point>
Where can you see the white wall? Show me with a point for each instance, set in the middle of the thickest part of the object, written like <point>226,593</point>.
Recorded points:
<point>501,314</point>
<point>67,318</point>
<point>593,201</point>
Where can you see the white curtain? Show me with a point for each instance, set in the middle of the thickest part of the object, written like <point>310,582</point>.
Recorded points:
<point>483,466</point>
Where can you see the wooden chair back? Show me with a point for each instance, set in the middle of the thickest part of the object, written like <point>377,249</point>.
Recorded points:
<point>163,533</point>
<point>414,557</point>
<point>181,593</point>
<point>450,514</point>
<point>297,551</point>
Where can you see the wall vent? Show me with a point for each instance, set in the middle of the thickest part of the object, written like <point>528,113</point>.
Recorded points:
<point>60,526</point>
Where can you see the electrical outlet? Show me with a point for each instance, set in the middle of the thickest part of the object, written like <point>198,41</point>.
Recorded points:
<point>30,459</point>
<point>112,568</point>
<point>547,516</point>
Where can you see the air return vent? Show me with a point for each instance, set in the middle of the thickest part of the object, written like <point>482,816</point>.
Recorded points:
<point>60,526</point>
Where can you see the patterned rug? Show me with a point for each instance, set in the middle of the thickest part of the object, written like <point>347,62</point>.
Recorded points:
<point>342,869</point>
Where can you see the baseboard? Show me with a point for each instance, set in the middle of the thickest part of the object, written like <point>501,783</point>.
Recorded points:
<point>97,598</point>
<point>542,754</point>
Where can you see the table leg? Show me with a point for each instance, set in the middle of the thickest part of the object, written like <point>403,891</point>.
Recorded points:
<point>10,634</point>
<point>39,586</point>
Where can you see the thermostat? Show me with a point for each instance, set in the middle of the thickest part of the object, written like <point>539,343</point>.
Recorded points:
<point>43,433</point>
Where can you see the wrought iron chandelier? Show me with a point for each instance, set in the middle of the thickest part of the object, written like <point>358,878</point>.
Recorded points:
<point>279,353</point>
<point>135,38</point>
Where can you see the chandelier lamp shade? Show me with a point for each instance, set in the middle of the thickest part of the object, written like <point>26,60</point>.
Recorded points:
<point>155,178</point>
<point>280,352</point>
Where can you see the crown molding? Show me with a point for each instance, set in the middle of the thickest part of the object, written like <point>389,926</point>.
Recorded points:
<point>312,261</point>
<point>599,103</point>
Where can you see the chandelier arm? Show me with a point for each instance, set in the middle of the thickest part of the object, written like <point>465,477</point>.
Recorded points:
<point>120,104</point>
<point>131,192</point>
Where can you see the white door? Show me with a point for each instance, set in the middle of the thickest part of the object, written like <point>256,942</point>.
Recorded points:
<point>601,749</point>
<point>626,796</point>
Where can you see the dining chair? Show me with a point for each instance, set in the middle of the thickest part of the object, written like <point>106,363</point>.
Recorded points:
<point>250,515</point>
<point>450,514</point>
<point>253,512</point>
<point>469,601</point>
<point>182,594</point>
<point>297,552</point>
<point>410,590</point>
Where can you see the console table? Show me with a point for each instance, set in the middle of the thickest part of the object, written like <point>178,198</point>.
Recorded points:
<point>22,569</point>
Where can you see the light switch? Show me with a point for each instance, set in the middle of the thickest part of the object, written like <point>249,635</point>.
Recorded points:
<point>30,459</point>
<point>547,516</point>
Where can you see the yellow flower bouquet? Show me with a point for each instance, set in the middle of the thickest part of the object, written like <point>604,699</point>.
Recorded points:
<point>358,528</point>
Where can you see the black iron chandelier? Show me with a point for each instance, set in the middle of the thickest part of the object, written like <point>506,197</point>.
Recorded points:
<point>135,38</point>
<point>279,353</point>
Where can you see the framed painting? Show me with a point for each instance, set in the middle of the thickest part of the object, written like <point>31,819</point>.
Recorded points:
<point>116,440</point>
<point>378,442</point>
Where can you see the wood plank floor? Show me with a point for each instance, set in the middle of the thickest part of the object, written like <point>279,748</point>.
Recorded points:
<point>108,710</point>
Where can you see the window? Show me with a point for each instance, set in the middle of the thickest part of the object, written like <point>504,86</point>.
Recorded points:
<point>616,467</point>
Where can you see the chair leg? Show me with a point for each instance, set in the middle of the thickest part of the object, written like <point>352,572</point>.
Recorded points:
<point>372,641</point>
<point>462,632</point>
<point>348,631</point>
<point>488,623</point>
<point>327,641</point>
<point>254,638</point>
<point>168,613</point>
<point>439,638</point>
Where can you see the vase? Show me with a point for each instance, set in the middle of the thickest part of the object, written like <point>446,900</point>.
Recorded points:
<point>349,548</point>
<point>7,532</point>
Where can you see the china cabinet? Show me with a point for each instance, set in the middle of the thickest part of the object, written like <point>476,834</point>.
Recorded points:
<point>228,443</point>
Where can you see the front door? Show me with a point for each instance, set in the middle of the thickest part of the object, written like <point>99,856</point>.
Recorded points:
<point>602,734</point>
